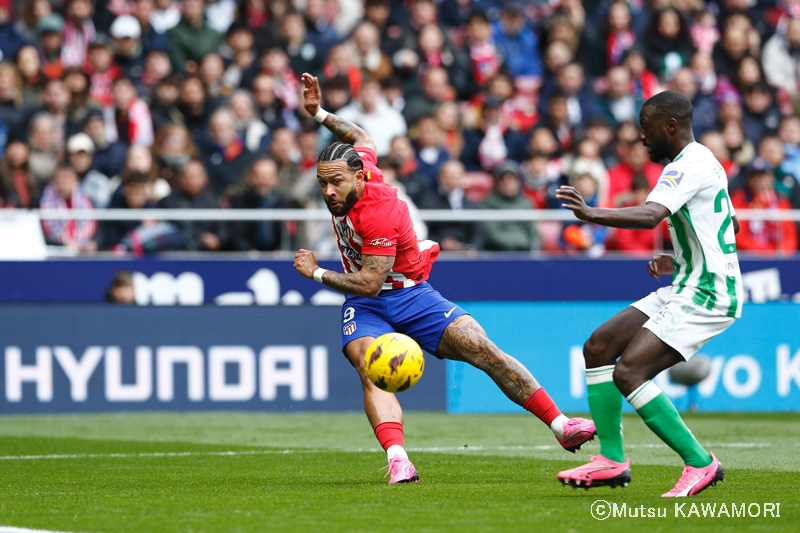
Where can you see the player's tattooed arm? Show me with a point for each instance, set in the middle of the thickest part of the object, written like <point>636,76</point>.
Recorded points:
<point>345,131</point>
<point>465,340</point>
<point>366,282</point>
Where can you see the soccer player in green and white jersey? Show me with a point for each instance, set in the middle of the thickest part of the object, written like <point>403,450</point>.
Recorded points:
<point>673,323</point>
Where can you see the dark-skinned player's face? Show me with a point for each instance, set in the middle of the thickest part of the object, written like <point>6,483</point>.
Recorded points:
<point>654,135</point>
<point>339,186</point>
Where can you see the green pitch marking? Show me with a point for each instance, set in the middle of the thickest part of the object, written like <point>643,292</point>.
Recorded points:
<point>233,472</point>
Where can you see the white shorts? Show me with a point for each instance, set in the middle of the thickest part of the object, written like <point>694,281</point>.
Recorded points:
<point>679,322</point>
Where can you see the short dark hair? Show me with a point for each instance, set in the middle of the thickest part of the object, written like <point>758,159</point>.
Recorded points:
<point>341,152</point>
<point>671,104</point>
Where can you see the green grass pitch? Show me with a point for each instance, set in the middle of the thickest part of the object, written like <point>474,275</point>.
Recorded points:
<point>322,473</point>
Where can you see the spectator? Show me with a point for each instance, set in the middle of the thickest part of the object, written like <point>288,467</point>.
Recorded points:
<point>704,115</point>
<point>748,73</point>
<point>583,236</point>
<point>619,104</point>
<point>715,142</point>
<point>402,157</point>
<point>102,71</point>
<point>581,100</point>
<point>283,150</point>
<point>619,34</point>
<point>450,194</point>
<point>429,148</point>
<point>157,69</point>
<point>166,16</point>
<point>587,160</point>
<point>741,149</point>
<point>556,119</point>
<point>517,43</point>
<point>29,67</point>
<point>763,236</point>
<point>390,177</point>
<point>449,119</point>
<point>48,30</point>
<point>46,150</point>
<point>770,149</point>
<point>377,117</point>
<point>211,72</point>
<point>434,52</point>
<point>260,192</point>
<point>18,185</point>
<point>730,50</point>
<point>509,236</point>
<point>77,83</point>
<point>630,240</point>
<point>540,179</point>
<point>761,115</point>
<point>226,156</point>
<point>634,161</point>
<point>55,102</point>
<point>172,150</point>
<point>129,53</point>
<point>11,104</point>
<point>319,30</point>
<point>645,83</point>
<point>341,64</point>
<point>164,102</point>
<point>781,58</point>
<point>435,89</point>
<point>789,134</point>
<point>32,12</point>
<point>275,63</point>
<point>108,156</point>
<point>135,193</point>
<point>150,38</point>
<point>128,119</point>
<point>93,184</point>
<point>238,53</point>
<point>121,290</point>
<point>483,52</point>
<point>220,14</point>
<point>492,142</point>
<point>79,31</point>
<point>669,45</point>
<point>304,56</point>
<point>195,107</point>
<point>192,37</point>
<point>192,193</point>
<point>364,48</point>
<point>64,192</point>
<point>248,126</point>
<point>269,108</point>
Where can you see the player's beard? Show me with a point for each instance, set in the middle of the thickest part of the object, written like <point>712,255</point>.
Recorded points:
<point>349,201</point>
<point>659,151</point>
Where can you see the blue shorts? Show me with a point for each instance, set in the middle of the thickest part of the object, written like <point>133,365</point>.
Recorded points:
<point>419,312</point>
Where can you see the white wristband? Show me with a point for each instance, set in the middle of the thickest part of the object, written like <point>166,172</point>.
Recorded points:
<point>317,275</point>
<point>320,116</point>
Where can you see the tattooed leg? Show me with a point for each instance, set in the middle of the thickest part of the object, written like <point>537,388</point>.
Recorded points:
<point>464,340</point>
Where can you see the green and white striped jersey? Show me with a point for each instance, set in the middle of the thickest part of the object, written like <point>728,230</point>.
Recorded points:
<point>694,188</point>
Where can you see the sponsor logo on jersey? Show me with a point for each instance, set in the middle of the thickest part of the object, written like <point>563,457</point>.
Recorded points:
<point>349,328</point>
<point>381,241</point>
<point>671,179</point>
<point>350,253</point>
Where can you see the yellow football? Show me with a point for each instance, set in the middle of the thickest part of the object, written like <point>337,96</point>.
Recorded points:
<point>394,362</point>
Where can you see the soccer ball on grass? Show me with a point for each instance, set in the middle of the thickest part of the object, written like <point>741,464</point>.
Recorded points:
<point>394,362</point>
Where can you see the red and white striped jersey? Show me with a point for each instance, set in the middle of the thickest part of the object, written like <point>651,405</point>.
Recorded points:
<point>379,224</point>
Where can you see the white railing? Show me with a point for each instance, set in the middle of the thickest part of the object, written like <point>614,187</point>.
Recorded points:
<point>432,215</point>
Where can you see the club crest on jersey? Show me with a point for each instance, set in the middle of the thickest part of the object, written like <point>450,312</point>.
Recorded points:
<point>349,328</point>
<point>671,179</point>
<point>345,230</point>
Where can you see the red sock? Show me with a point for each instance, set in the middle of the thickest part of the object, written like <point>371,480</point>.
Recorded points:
<point>541,405</point>
<point>389,434</point>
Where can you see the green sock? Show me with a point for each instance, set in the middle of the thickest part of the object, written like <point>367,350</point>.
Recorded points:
<point>605,404</point>
<point>663,419</point>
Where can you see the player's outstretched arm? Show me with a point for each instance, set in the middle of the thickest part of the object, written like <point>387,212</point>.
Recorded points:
<point>366,282</point>
<point>345,131</point>
<point>646,216</point>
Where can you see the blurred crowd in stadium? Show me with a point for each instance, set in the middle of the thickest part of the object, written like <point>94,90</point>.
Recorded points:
<point>471,103</point>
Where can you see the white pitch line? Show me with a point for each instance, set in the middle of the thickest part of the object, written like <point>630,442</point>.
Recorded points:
<point>9,529</point>
<point>435,449</point>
